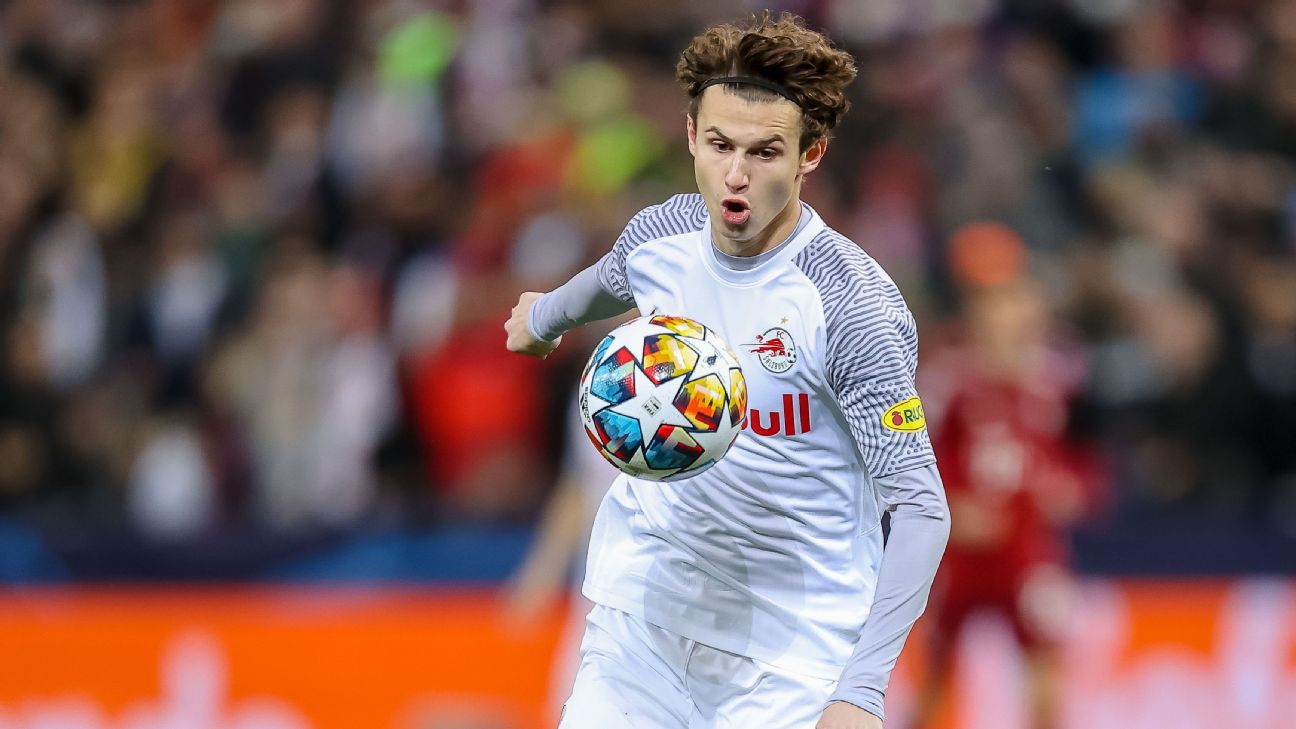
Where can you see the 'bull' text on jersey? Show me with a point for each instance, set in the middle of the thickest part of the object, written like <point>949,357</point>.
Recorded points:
<point>773,552</point>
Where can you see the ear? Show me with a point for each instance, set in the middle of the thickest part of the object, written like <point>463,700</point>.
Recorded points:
<point>813,155</point>
<point>691,129</point>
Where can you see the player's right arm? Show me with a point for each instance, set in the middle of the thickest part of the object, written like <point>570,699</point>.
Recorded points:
<point>518,328</point>
<point>601,291</point>
<point>538,321</point>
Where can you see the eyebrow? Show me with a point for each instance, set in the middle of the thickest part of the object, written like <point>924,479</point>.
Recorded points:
<point>758,143</point>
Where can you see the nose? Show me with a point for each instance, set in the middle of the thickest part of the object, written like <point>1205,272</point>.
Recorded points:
<point>736,175</point>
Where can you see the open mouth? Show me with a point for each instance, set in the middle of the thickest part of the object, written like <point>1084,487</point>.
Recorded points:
<point>735,210</point>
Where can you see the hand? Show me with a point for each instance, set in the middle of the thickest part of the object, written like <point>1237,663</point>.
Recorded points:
<point>519,335</point>
<point>841,715</point>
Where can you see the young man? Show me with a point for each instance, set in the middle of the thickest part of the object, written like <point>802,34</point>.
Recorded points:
<point>758,593</point>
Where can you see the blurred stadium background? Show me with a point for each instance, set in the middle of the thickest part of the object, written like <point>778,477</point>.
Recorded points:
<point>265,463</point>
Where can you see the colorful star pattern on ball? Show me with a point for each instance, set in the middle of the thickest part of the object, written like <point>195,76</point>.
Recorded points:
<point>653,397</point>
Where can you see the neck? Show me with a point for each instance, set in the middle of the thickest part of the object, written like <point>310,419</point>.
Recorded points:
<point>779,229</point>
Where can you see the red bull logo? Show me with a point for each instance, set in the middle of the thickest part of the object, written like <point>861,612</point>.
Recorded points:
<point>774,349</point>
<point>794,419</point>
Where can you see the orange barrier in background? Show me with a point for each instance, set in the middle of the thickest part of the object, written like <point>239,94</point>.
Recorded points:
<point>280,658</point>
<point>1148,655</point>
<point>1144,655</point>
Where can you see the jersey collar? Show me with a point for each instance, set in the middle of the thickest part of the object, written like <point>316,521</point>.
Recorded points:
<point>773,259</point>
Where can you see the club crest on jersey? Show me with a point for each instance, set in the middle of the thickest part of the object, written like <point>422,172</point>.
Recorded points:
<point>775,350</point>
<point>906,416</point>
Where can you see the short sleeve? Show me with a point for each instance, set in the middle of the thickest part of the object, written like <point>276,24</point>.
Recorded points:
<point>871,355</point>
<point>679,214</point>
<point>871,369</point>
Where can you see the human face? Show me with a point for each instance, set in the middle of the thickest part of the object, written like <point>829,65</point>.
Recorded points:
<point>1007,323</point>
<point>749,168</point>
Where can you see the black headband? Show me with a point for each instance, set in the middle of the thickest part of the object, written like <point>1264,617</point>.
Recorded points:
<point>751,81</point>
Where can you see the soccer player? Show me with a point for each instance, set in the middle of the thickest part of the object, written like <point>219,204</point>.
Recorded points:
<point>1016,479</point>
<point>758,593</point>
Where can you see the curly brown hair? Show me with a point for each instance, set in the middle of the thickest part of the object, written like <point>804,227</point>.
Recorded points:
<point>780,50</point>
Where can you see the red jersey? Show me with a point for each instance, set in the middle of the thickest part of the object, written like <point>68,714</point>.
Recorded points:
<point>1006,463</point>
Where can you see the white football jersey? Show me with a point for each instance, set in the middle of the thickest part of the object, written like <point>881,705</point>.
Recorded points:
<point>772,553</point>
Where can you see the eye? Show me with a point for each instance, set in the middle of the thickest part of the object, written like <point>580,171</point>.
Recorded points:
<point>767,153</point>
<point>721,146</point>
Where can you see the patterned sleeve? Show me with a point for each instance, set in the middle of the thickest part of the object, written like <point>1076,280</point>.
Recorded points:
<point>679,214</point>
<point>872,355</point>
<point>871,361</point>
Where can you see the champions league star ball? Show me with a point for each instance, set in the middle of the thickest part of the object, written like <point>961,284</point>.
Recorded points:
<point>663,398</point>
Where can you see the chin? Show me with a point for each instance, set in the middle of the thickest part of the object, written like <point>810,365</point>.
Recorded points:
<point>739,234</point>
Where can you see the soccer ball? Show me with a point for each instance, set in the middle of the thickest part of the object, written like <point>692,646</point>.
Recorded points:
<point>663,398</point>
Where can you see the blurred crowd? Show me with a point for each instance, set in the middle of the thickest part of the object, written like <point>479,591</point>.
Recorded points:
<point>255,255</point>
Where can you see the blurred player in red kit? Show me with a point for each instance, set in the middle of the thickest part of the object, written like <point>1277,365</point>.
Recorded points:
<point>1016,476</point>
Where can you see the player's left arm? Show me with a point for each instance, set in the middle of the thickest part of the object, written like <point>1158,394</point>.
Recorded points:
<point>871,362</point>
<point>920,527</point>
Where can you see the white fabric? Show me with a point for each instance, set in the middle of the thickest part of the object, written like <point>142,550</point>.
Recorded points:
<point>774,552</point>
<point>634,675</point>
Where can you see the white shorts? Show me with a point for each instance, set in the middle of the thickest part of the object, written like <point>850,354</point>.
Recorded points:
<point>634,675</point>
